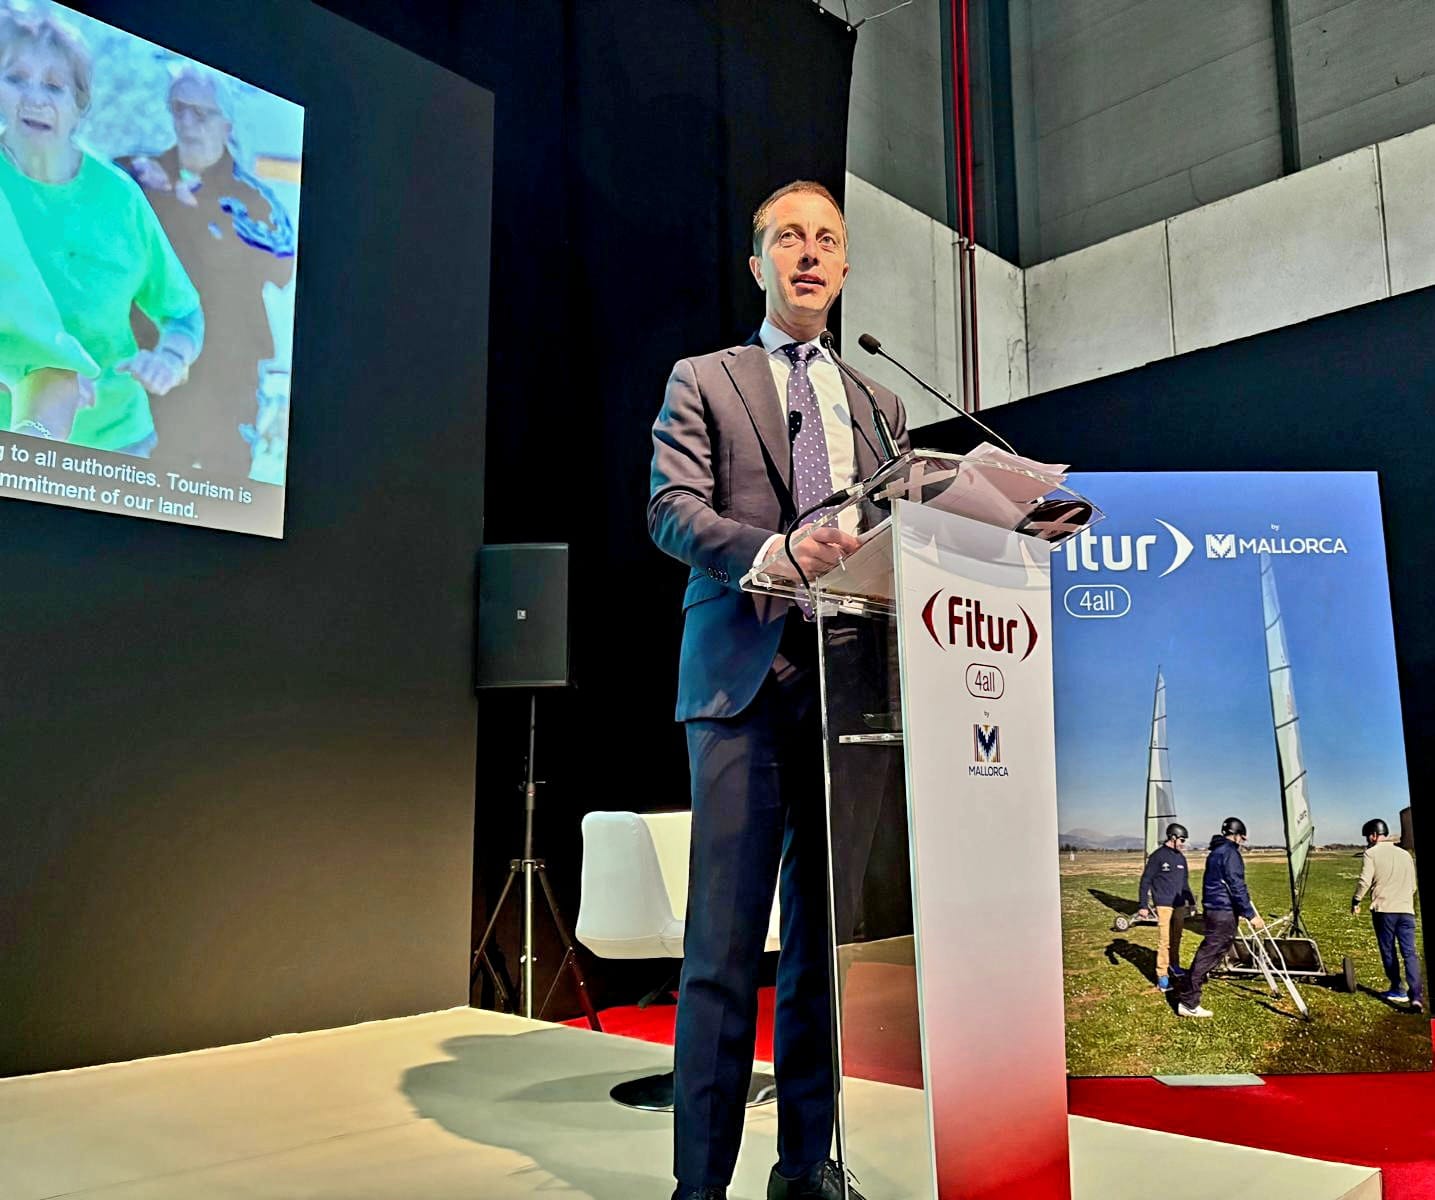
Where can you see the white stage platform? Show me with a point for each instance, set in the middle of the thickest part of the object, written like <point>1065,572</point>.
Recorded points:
<point>470,1105</point>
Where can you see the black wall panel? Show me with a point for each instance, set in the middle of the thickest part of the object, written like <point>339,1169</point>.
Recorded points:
<point>236,775</point>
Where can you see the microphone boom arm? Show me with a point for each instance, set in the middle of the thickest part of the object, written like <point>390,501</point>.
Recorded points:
<point>873,346</point>
<point>890,453</point>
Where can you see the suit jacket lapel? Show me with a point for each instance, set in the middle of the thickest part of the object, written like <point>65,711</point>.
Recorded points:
<point>861,411</point>
<point>752,377</point>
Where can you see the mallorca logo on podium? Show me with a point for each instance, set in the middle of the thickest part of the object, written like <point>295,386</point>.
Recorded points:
<point>987,751</point>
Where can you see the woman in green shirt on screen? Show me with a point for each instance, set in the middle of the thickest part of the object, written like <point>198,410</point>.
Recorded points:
<point>46,373</point>
<point>98,250</point>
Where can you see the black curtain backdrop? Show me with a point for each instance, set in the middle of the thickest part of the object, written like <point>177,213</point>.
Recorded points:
<point>1348,392</point>
<point>236,774</point>
<point>633,141</point>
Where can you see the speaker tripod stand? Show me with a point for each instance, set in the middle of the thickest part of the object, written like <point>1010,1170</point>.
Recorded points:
<point>530,869</point>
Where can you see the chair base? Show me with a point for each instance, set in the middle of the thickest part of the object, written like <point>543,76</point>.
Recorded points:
<point>654,1093</point>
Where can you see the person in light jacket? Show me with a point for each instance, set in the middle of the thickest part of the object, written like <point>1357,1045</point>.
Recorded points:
<point>1388,874</point>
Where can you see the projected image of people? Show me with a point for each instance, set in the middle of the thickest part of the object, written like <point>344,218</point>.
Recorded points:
<point>148,207</point>
<point>234,237</point>
<point>97,248</point>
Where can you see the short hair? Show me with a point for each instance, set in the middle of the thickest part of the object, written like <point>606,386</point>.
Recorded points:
<point>764,210</point>
<point>214,83</point>
<point>45,30</point>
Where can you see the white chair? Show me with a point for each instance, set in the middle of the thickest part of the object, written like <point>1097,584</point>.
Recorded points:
<point>633,905</point>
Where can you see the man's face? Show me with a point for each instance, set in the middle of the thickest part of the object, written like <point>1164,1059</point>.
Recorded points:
<point>37,96</point>
<point>200,125</point>
<point>804,258</point>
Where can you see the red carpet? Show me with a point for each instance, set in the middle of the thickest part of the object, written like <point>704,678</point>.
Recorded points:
<point>1385,1121</point>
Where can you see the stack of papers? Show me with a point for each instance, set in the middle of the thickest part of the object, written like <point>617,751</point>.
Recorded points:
<point>998,487</point>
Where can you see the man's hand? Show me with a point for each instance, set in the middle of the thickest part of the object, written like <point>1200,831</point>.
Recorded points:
<point>157,370</point>
<point>1256,923</point>
<point>150,175</point>
<point>1355,909</point>
<point>1143,912</point>
<point>823,549</point>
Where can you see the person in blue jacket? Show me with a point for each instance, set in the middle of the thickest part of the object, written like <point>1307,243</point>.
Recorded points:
<point>1166,888</point>
<point>1225,900</point>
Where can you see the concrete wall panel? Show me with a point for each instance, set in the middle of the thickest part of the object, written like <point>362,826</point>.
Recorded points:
<point>895,132</point>
<point>1138,110</point>
<point>949,369</point>
<point>1103,309</point>
<point>1210,111</point>
<point>901,278</point>
<point>1056,21</point>
<point>1407,182</point>
<point>1305,245</point>
<point>1214,179</point>
<point>1386,115</point>
<point>1001,330</point>
<point>1361,49</point>
<point>1139,50</point>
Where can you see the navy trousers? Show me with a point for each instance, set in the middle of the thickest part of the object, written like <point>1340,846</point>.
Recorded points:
<point>758,821</point>
<point>1398,929</point>
<point>1220,933</point>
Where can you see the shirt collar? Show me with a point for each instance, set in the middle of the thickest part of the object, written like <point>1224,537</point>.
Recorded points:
<point>774,339</point>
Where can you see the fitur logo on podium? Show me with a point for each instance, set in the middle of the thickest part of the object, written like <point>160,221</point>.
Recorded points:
<point>969,624</point>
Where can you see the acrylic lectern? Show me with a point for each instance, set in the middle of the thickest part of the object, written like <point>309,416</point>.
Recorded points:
<point>935,653</point>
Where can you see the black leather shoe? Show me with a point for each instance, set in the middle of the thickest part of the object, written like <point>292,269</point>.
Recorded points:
<point>700,1193</point>
<point>822,1182</point>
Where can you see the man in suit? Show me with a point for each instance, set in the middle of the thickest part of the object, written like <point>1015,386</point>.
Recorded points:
<point>746,440</point>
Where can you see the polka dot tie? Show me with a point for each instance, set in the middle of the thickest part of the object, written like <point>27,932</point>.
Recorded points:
<point>811,468</point>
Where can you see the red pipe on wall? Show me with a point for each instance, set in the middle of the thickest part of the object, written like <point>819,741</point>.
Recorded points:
<point>963,156</point>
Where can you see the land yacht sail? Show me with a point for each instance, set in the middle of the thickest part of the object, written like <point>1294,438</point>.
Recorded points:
<point>1160,799</point>
<point>1285,717</point>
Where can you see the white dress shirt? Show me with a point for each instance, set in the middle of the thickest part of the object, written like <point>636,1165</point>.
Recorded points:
<point>836,415</point>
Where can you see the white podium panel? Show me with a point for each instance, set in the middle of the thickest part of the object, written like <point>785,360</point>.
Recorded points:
<point>974,631</point>
<point>940,759</point>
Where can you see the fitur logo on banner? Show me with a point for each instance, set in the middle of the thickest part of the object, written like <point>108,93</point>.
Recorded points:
<point>1105,552</point>
<point>1088,552</point>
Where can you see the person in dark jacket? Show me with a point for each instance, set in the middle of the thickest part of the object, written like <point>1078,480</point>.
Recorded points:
<point>1165,886</point>
<point>1225,900</point>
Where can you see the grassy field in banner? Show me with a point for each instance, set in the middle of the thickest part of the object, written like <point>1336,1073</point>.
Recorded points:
<point>1118,1023</point>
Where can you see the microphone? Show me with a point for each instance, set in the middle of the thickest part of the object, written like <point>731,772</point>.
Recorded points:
<point>873,346</point>
<point>879,422</point>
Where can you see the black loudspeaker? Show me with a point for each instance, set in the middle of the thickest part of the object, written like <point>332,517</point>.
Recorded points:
<point>523,616</point>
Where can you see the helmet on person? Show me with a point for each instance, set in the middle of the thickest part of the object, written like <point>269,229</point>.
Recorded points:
<point>1377,827</point>
<point>1176,830</point>
<point>1233,827</point>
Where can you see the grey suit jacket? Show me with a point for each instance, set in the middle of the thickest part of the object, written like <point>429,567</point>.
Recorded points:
<point>721,486</point>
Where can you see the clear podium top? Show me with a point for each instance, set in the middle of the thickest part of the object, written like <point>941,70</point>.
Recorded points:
<point>987,485</point>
